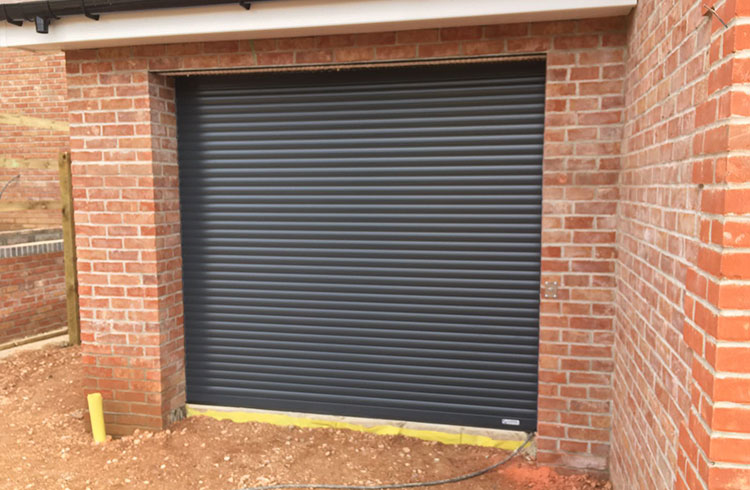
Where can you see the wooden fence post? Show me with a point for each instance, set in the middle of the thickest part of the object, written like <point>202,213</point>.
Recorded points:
<point>69,242</point>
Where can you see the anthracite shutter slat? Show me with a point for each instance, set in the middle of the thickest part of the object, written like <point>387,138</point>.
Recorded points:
<point>365,243</point>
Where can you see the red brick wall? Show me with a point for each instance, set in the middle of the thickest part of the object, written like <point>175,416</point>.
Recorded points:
<point>681,416</point>
<point>32,85</point>
<point>32,295</point>
<point>658,240</point>
<point>715,442</point>
<point>127,219</point>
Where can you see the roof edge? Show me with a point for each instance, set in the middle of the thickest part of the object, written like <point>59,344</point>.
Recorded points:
<point>290,18</point>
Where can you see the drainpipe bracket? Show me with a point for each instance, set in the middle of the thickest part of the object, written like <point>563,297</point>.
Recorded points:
<point>42,24</point>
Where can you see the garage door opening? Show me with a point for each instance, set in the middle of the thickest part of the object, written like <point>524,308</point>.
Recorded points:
<point>365,242</point>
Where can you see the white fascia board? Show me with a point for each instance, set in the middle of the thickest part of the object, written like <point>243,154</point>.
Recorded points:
<point>289,18</point>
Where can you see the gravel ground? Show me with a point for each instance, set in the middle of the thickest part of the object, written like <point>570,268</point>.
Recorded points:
<point>44,444</point>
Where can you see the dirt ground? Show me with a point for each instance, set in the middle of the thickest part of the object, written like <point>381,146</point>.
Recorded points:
<point>44,445</point>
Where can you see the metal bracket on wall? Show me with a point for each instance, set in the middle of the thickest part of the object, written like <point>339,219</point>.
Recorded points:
<point>550,290</point>
<point>712,11</point>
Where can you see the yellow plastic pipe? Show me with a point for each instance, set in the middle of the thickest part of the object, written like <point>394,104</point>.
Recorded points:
<point>96,412</point>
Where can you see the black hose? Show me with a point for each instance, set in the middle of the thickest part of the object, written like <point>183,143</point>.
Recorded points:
<point>7,184</point>
<point>401,485</point>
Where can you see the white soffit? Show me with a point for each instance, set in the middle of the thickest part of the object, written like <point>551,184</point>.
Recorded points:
<point>289,18</point>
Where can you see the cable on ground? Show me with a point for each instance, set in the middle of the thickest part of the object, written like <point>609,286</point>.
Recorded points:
<point>435,483</point>
<point>7,184</point>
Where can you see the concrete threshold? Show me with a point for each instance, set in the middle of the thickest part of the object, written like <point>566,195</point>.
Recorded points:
<point>447,434</point>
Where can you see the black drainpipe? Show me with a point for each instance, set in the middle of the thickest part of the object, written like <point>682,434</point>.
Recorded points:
<point>43,12</point>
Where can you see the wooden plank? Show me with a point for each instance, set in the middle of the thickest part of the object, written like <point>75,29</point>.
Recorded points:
<point>10,119</point>
<point>6,206</point>
<point>69,242</point>
<point>35,338</point>
<point>28,163</point>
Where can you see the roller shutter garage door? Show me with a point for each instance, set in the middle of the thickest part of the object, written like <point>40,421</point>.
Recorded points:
<point>365,242</point>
